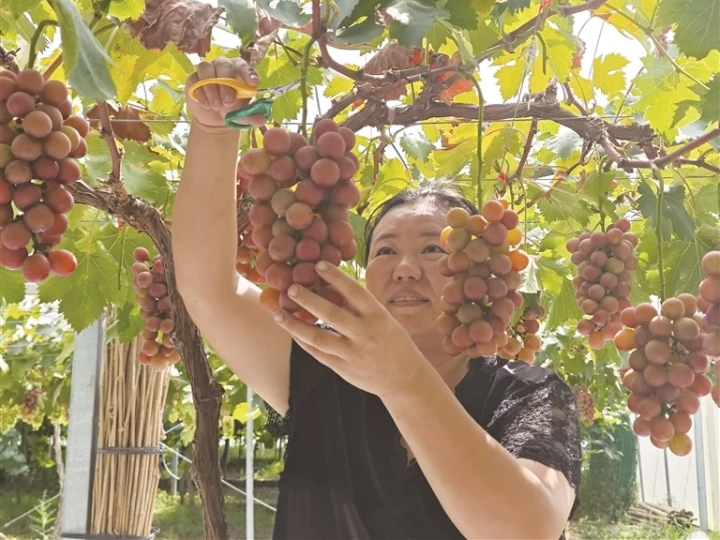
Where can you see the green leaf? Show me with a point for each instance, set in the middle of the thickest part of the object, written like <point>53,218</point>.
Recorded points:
<point>482,38</point>
<point>564,310</point>
<point>122,244</point>
<point>530,283</point>
<point>682,261</point>
<point>563,204</point>
<point>673,210</point>
<point>84,294</point>
<point>462,14</point>
<point>411,20</point>
<point>20,7</point>
<point>287,106</point>
<point>710,105</point>
<point>337,86</point>
<point>363,32</point>
<point>597,186</point>
<point>83,57</point>
<point>142,173</point>
<point>285,11</point>
<point>126,9</point>
<point>12,285</point>
<point>511,6</point>
<point>696,33</point>
<point>242,16</point>
<point>415,144</point>
<point>564,143</point>
<point>682,109</point>
<point>608,73</point>
<point>344,10</point>
<point>98,162</point>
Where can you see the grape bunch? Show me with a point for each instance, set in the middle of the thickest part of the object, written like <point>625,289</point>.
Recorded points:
<point>709,304</point>
<point>585,404</point>
<point>668,367</point>
<point>481,298</point>
<point>40,141</point>
<point>523,341</point>
<point>151,294</point>
<point>602,286</point>
<point>247,254</point>
<point>302,191</point>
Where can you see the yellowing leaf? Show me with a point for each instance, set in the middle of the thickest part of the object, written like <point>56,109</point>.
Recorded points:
<point>581,88</point>
<point>608,74</point>
<point>337,86</point>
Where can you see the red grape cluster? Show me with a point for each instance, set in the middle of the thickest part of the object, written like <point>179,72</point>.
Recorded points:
<point>523,342</point>
<point>668,369</point>
<point>247,251</point>
<point>585,404</point>
<point>39,143</point>
<point>302,194</point>
<point>481,298</point>
<point>602,286</point>
<point>709,304</point>
<point>151,293</point>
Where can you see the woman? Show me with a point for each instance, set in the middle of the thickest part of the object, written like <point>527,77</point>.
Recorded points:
<point>389,436</point>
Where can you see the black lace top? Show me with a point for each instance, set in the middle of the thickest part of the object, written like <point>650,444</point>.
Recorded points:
<point>347,475</point>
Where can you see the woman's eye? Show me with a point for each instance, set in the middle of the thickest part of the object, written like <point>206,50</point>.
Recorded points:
<point>384,251</point>
<point>434,249</point>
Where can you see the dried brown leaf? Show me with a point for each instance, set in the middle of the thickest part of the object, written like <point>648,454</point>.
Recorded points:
<point>129,126</point>
<point>187,24</point>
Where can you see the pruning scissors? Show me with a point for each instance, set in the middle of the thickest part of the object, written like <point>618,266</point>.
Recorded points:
<point>261,105</point>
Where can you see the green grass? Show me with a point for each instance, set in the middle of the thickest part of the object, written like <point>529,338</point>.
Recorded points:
<point>184,522</point>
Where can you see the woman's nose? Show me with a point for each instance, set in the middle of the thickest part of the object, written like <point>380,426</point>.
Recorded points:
<point>407,269</point>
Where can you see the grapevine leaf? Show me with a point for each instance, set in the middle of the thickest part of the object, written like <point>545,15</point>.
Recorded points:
<point>530,284</point>
<point>84,294</point>
<point>707,199</point>
<point>287,106</point>
<point>696,33</point>
<point>122,244</point>
<point>84,58</point>
<point>682,109</point>
<point>338,86</point>
<point>608,73</point>
<point>242,16</point>
<point>286,11</point>
<point>438,35</point>
<point>363,32</point>
<point>482,38</point>
<point>597,186</point>
<point>673,211</point>
<point>415,144</point>
<point>655,88</point>
<point>12,285</point>
<point>20,7</point>
<point>128,323</point>
<point>682,261</point>
<point>344,9</point>
<point>126,9</point>
<point>411,20</point>
<point>710,106</point>
<point>511,6</point>
<point>564,310</point>
<point>509,76</point>
<point>98,162</point>
<point>140,177</point>
<point>564,143</point>
<point>462,14</point>
<point>187,24</point>
<point>563,204</point>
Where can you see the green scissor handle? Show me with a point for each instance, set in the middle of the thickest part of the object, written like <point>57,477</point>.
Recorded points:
<point>262,106</point>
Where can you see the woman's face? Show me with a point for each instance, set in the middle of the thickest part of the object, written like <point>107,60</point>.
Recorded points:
<point>402,271</point>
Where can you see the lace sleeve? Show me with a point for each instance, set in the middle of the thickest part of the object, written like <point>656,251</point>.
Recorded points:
<point>540,422</point>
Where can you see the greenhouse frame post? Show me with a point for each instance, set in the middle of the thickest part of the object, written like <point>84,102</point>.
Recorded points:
<point>249,470</point>
<point>82,429</point>
<point>700,468</point>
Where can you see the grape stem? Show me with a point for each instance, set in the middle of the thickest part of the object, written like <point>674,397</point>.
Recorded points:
<point>304,84</point>
<point>39,30</point>
<point>657,173</point>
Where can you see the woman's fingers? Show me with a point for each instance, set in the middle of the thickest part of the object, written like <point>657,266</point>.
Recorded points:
<point>225,69</point>
<point>243,72</point>
<point>355,294</point>
<point>206,70</point>
<point>318,338</point>
<point>199,94</point>
<point>340,319</point>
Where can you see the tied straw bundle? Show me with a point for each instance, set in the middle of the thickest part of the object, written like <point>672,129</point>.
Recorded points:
<point>131,410</point>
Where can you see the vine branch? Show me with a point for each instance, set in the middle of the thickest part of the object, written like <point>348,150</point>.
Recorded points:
<point>526,152</point>
<point>107,132</point>
<point>658,229</point>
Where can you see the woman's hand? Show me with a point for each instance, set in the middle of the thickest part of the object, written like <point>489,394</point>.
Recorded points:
<point>370,350</point>
<point>214,101</point>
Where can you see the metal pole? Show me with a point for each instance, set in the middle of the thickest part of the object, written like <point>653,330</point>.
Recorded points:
<point>639,465</point>
<point>249,470</point>
<point>174,477</point>
<point>82,429</point>
<point>667,477</point>
<point>700,468</point>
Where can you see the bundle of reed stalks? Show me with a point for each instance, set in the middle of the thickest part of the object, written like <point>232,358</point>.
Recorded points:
<point>127,465</point>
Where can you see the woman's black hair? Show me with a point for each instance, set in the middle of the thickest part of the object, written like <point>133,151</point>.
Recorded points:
<point>439,196</point>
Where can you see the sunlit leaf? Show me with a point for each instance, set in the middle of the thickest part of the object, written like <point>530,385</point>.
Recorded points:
<point>696,33</point>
